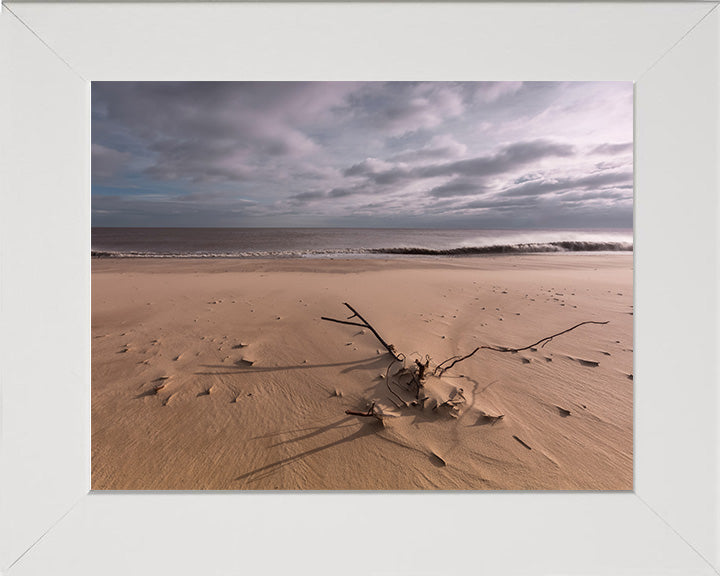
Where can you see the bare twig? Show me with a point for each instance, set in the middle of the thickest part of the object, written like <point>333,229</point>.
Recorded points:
<point>365,324</point>
<point>387,383</point>
<point>440,369</point>
<point>422,367</point>
<point>344,322</point>
<point>369,414</point>
<point>454,400</point>
<point>521,442</point>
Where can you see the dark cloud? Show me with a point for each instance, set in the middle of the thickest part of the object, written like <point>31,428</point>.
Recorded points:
<point>340,192</point>
<point>458,187</point>
<point>206,131</point>
<point>305,196</point>
<point>197,161</point>
<point>508,159</point>
<point>527,178</point>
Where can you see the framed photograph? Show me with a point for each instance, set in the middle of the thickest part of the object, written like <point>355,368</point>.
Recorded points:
<point>107,81</point>
<point>463,229</point>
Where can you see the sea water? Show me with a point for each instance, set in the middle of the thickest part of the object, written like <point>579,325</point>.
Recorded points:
<point>348,242</point>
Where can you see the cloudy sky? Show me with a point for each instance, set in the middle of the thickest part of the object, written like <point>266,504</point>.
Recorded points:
<point>398,154</point>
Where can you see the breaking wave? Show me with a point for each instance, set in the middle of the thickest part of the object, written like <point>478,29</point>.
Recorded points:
<point>523,248</point>
<point>520,248</point>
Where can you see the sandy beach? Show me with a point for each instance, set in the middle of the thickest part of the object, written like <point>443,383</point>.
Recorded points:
<point>221,374</point>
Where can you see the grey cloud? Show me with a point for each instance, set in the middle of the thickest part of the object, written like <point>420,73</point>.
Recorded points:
<point>359,169</point>
<point>340,192</point>
<point>305,196</point>
<point>440,147</point>
<point>539,187</point>
<point>604,179</point>
<point>612,149</point>
<point>107,162</point>
<point>498,203</point>
<point>228,198</point>
<point>399,108</point>
<point>205,131</point>
<point>487,92</point>
<point>594,195</point>
<point>197,160</point>
<point>458,187</point>
<point>543,212</point>
<point>527,178</point>
<point>536,188</point>
<point>378,172</point>
<point>424,154</point>
<point>507,159</point>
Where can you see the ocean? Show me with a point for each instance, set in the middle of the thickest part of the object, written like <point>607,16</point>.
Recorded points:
<point>347,242</point>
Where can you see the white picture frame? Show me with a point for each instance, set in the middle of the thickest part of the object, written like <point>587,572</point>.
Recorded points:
<point>50,522</point>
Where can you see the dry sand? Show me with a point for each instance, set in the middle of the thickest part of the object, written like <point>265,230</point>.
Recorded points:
<point>220,374</point>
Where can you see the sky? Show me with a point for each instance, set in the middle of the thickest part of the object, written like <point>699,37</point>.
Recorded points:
<point>480,155</point>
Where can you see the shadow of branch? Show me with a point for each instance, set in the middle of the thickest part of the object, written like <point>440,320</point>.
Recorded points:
<point>265,471</point>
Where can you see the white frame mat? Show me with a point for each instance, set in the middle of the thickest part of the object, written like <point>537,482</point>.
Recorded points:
<point>50,522</point>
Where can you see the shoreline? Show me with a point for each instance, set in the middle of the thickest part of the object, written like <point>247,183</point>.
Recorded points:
<point>369,254</point>
<point>253,386</point>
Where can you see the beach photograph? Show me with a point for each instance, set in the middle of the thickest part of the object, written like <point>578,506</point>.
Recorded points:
<point>362,286</point>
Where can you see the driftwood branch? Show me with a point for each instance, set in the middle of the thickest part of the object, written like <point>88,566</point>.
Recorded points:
<point>344,322</point>
<point>365,324</point>
<point>440,368</point>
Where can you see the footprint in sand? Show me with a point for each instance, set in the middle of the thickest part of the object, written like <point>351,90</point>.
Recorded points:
<point>582,362</point>
<point>437,460</point>
<point>484,418</point>
<point>158,384</point>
